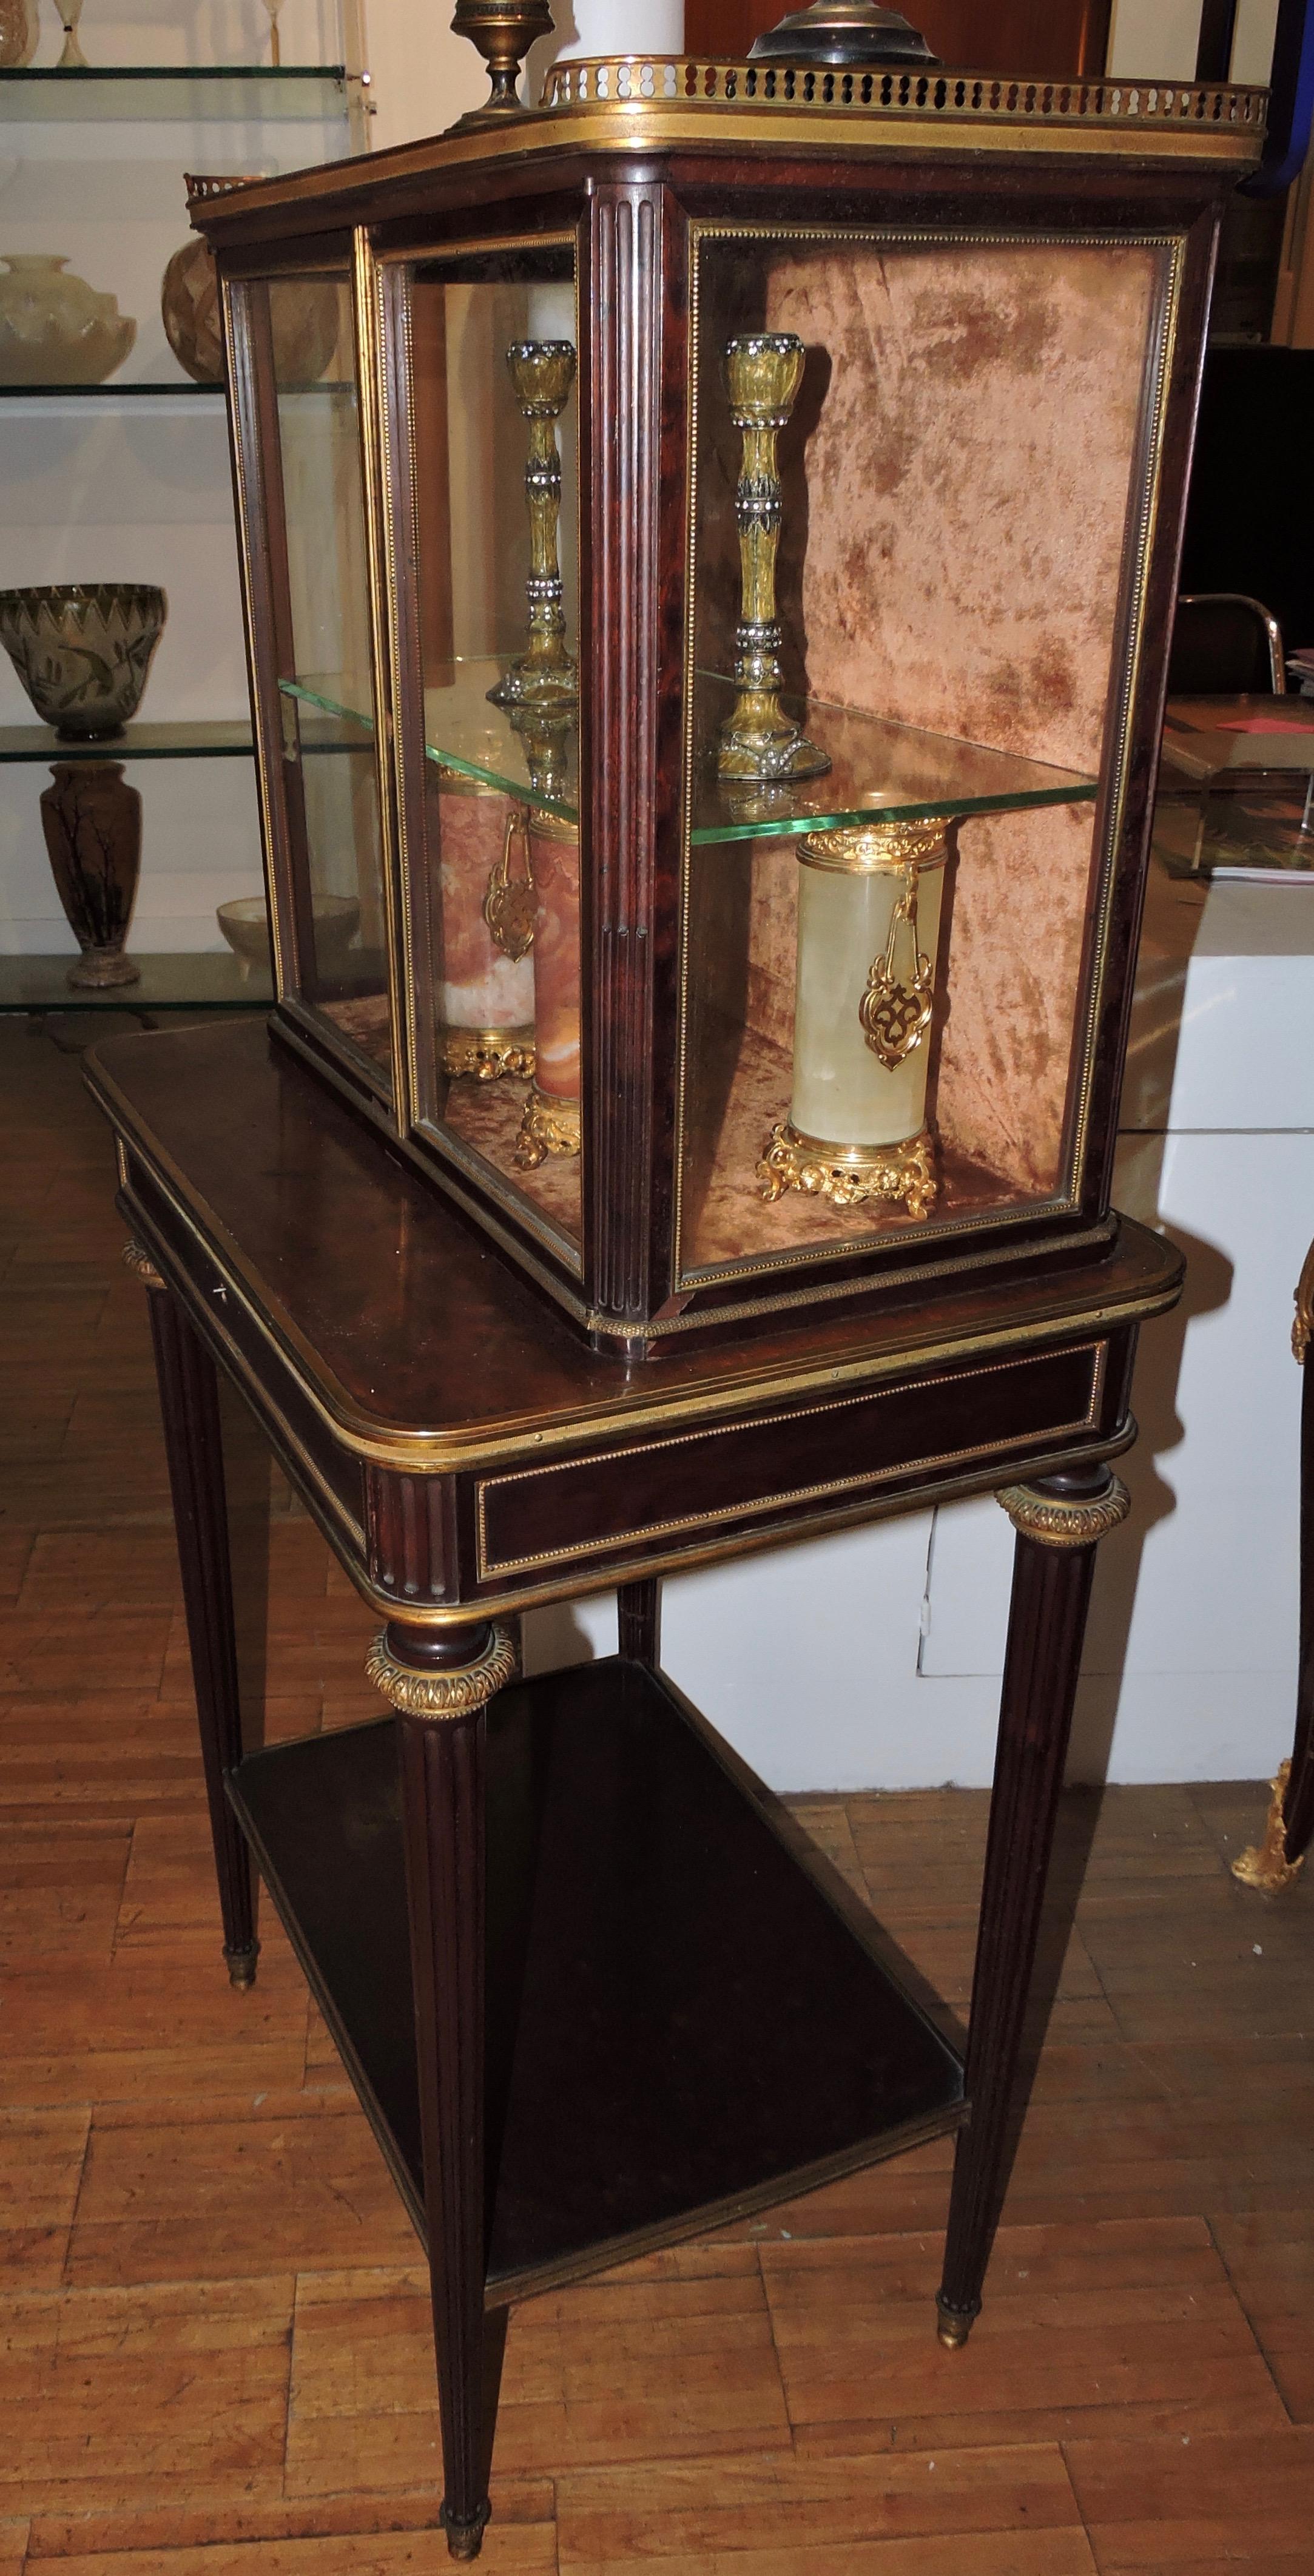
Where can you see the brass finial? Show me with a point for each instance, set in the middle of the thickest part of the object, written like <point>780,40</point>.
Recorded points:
<point>845,34</point>
<point>502,31</point>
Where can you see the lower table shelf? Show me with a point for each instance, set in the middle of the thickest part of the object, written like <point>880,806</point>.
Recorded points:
<point>684,2021</point>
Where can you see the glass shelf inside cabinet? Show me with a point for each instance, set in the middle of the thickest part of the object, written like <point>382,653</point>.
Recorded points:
<point>877,769</point>
<point>125,93</point>
<point>465,734</point>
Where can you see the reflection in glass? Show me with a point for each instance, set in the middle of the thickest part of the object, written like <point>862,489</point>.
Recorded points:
<point>494,374</point>
<point>330,773</point>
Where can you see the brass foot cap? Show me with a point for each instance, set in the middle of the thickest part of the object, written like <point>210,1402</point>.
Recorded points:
<point>465,2539</point>
<point>242,1967</point>
<point>954,2325</point>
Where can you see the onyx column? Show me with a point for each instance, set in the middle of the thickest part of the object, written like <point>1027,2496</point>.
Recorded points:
<point>1059,1522</point>
<point>193,1441</point>
<point>440,1687</point>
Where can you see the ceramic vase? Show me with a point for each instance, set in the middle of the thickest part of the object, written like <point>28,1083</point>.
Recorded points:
<point>82,651</point>
<point>20,27</point>
<point>57,330</point>
<point>92,826</point>
<point>193,322</point>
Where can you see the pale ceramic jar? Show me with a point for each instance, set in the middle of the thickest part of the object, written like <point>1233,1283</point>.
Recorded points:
<point>20,28</point>
<point>620,27</point>
<point>57,330</point>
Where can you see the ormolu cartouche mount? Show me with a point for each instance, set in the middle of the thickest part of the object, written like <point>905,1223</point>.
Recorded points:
<point>763,373</point>
<point>542,372</point>
<point>509,902</point>
<point>502,31</point>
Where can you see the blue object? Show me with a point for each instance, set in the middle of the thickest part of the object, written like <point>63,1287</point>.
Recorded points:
<point>1291,103</point>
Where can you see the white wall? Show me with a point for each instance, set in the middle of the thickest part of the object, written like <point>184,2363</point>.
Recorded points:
<point>1157,39</point>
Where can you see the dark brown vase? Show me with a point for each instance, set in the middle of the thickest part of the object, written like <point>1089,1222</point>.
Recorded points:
<point>92,824</point>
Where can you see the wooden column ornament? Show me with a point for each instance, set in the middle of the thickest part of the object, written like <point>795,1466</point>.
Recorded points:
<point>193,1441</point>
<point>440,1687</point>
<point>1059,1522</point>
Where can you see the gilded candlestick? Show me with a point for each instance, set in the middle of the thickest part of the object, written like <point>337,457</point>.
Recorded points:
<point>543,372</point>
<point>763,373</point>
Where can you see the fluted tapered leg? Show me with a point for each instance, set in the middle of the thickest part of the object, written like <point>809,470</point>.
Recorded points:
<point>440,1689</point>
<point>1059,1522</point>
<point>193,1441</point>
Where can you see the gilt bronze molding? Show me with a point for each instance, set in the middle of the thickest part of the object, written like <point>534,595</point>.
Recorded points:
<point>443,1695</point>
<point>137,1259</point>
<point>850,1175</point>
<point>549,1126</point>
<point>1056,1523</point>
<point>1265,1865</point>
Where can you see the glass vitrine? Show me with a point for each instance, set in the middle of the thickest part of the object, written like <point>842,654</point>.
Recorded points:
<point>709,625</point>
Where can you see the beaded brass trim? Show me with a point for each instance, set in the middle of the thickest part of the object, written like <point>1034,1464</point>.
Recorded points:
<point>848,1175</point>
<point>1303,1327</point>
<point>1058,1524</point>
<point>486,1054</point>
<point>443,1695</point>
<point>1266,1864</point>
<point>138,1260</point>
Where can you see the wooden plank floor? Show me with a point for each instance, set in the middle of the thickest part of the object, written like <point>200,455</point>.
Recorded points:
<point>216,2342</point>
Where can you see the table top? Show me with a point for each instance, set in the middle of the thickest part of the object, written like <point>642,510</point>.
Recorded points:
<point>1203,735</point>
<point>414,1334</point>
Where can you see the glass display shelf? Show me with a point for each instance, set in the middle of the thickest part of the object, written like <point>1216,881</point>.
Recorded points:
<point>879,769</point>
<point>309,93</point>
<point>110,392</point>
<point>221,739</point>
<point>209,982</point>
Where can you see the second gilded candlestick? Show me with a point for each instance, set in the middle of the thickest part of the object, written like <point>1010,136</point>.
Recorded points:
<point>542,372</point>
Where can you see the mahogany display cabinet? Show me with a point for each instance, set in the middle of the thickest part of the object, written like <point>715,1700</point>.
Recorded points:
<point>710,623</point>
<point>733,543</point>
